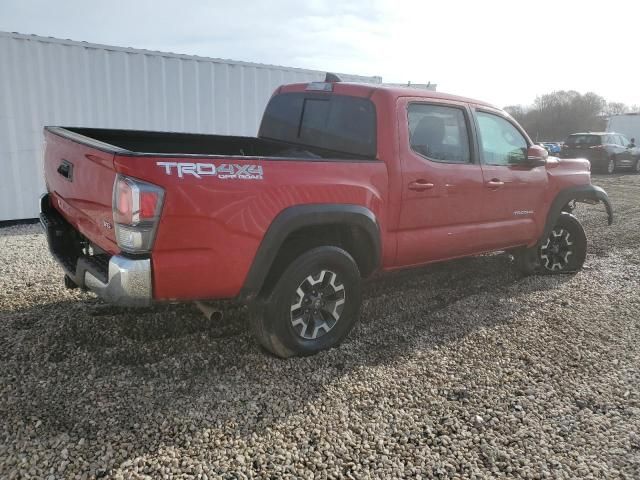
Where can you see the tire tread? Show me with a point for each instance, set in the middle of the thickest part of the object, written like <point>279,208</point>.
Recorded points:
<point>262,316</point>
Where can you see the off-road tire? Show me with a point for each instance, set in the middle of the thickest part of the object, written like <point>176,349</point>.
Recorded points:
<point>274,312</point>
<point>563,251</point>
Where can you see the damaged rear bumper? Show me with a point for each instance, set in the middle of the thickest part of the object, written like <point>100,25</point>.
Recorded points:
<point>116,279</point>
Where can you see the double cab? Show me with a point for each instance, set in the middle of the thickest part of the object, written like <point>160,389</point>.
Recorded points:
<point>342,181</point>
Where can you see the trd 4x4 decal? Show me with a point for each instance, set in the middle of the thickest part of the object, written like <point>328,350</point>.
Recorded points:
<point>223,171</point>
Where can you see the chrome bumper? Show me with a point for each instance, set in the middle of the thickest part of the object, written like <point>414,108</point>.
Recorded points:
<point>128,283</point>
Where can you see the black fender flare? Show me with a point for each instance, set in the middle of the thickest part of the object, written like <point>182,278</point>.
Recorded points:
<point>300,216</point>
<point>590,194</point>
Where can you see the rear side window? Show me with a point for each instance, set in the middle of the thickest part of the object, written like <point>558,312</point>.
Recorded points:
<point>337,123</point>
<point>583,140</point>
<point>439,133</point>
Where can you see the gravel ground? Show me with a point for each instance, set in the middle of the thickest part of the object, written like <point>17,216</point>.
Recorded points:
<point>464,370</point>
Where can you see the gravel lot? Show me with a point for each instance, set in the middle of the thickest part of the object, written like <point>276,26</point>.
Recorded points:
<point>460,371</point>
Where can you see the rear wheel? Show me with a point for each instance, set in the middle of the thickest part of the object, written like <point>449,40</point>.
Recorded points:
<point>611,165</point>
<point>313,305</point>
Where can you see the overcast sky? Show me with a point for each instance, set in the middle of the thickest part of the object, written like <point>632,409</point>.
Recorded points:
<point>504,52</point>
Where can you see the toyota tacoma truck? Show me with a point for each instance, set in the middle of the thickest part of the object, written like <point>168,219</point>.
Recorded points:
<point>342,181</point>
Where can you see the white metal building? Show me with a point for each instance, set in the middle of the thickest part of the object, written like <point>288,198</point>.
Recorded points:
<point>626,123</point>
<point>48,81</point>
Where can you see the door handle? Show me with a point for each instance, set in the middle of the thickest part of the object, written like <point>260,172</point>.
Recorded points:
<point>421,185</point>
<point>495,183</point>
<point>66,169</point>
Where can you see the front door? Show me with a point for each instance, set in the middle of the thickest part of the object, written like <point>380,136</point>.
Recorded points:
<point>513,194</point>
<point>441,181</point>
<point>625,157</point>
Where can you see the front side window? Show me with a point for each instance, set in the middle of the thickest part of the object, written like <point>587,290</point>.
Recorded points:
<point>500,142</point>
<point>439,133</point>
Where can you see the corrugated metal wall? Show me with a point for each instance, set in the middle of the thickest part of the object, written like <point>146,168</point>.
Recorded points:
<point>46,81</point>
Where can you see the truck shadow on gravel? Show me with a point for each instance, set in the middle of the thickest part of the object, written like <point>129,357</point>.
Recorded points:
<point>82,368</point>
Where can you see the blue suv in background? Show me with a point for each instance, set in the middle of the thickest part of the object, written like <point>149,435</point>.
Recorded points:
<point>552,147</point>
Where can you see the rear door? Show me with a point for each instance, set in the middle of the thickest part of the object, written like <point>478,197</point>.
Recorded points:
<point>441,181</point>
<point>512,198</point>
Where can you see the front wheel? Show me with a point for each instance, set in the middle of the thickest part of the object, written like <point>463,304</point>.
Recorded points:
<point>563,251</point>
<point>312,307</point>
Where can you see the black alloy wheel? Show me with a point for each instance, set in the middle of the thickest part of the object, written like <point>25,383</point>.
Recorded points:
<point>311,306</point>
<point>317,304</point>
<point>565,249</point>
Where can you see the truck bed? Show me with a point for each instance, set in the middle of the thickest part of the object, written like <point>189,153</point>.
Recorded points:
<point>211,225</point>
<point>143,142</point>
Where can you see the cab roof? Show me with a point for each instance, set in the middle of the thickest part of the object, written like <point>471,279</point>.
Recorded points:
<point>368,89</point>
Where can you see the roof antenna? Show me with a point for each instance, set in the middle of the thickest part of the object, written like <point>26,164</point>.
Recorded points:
<point>332,78</point>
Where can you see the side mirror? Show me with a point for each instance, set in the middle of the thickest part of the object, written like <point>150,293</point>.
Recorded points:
<point>536,156</point>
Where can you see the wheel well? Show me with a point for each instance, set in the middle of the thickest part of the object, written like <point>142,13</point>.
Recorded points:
<point>353,239</point>
<point>566,199</point>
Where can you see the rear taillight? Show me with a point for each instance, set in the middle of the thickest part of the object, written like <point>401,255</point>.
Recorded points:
<point>136,213</point>
<point>123,202</point>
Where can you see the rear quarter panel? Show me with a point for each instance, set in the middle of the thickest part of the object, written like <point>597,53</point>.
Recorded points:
<point>211,228</point>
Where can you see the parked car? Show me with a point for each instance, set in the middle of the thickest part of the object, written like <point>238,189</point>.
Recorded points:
<point>343,181</point>
<point>606,151</point>
<point>547,146</point>
<point>552,147</point>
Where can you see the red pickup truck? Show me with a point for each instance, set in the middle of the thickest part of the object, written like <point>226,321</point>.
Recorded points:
<point>343,181</point>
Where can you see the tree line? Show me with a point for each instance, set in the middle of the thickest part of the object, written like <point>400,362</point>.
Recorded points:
<point>556,115</point>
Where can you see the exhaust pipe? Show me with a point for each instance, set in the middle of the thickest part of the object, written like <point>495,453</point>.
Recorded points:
<point>209,312</point>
